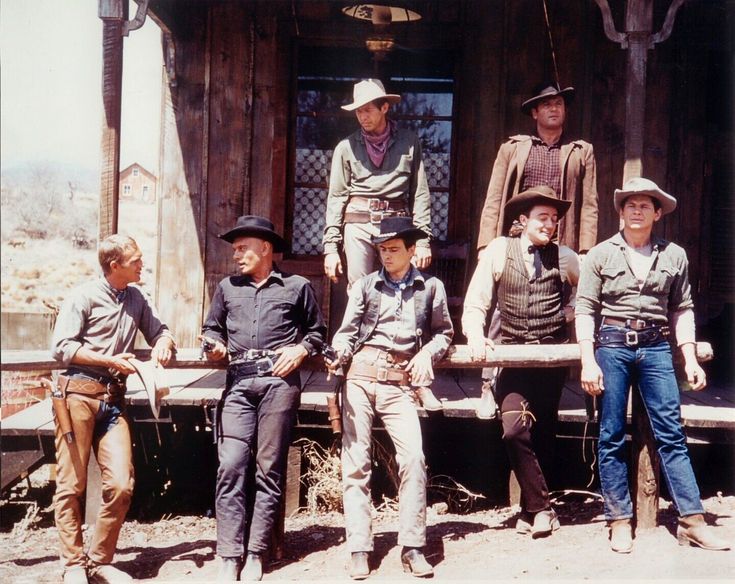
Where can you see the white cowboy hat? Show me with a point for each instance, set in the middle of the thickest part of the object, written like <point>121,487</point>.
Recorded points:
<point>643,186</point>
<point>369,90</point>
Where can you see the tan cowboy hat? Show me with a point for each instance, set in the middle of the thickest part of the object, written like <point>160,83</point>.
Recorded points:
<point>540,195</point>
<point>369,90</point>
<point>643,186</point>
<point>255,226</point>
<point>152,379</point>
<point>544,91</point>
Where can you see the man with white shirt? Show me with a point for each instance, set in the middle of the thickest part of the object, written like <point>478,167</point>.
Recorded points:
<point>528,276</point>
<point>637,285</point>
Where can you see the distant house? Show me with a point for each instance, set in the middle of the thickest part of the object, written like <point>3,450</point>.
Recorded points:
<point>137,184</point>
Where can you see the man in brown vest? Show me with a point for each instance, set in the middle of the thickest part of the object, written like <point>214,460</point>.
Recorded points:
<point>527,275</point>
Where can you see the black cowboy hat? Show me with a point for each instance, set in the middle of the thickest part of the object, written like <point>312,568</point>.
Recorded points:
<point>394,227</point>
<point>544,91</point>
<point>255,226</point>
<point>540,195</point>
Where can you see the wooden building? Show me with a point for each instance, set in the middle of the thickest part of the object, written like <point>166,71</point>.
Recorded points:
<point>137,184</point>
<point>251,113</point>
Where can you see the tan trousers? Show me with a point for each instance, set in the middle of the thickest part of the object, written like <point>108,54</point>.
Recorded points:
<point>113,451</point>
<point>360,253</point>
<point>364,399</point>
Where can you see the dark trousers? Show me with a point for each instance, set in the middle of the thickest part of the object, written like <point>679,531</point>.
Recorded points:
<point>529,405</point>
<point>257,417</point>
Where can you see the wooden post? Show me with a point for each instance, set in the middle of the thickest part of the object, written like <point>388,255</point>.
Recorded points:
<point>113,14</point>
<point>644,467</point>
<point>638,18</point>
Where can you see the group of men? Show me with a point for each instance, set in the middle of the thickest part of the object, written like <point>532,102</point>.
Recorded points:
<point>538,223</point>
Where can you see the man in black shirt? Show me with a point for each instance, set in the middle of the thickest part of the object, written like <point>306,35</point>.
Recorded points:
<point>268,322</point>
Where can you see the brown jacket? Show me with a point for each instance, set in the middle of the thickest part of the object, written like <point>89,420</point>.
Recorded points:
<point>578,229</point>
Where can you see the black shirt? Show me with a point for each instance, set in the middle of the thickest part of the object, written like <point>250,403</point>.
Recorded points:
<point>276,314</point>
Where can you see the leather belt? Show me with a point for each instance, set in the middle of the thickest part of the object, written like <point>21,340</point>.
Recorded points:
<point>374,354</point>
<point>382,374</point>
<point>245,369</point>
<point>635,324</point>
<point>373,216</point>
<point>83,386</point>
<point>547,340</point>
<point>632,338</point>
<point>379,204</point>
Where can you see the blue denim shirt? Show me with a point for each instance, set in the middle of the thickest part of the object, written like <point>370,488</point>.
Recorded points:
<point>608,287</point>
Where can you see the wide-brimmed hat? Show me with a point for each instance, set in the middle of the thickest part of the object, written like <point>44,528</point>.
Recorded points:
<point>394,227</point>
<point>643,186</point>
<point>369,90</point>
<point>544,91</point>
<point>255,226</point>
<point>540,195</point>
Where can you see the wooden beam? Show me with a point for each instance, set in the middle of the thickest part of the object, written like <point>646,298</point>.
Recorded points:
<point>458,356</point>
<point>113,14</point>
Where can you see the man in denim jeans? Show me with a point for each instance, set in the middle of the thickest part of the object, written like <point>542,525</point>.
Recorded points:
<point>637,285</point>
<point>94,335</point>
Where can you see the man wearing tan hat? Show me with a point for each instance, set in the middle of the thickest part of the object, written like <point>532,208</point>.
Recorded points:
<point>267,322</point>
<point>377,172</point>
<point>528,276</point>
<point>637,286</point>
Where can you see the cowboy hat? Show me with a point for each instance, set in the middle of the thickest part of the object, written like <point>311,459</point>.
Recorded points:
<point>369,90</point>
<point>152,380</point>
<point>398,227</point>
<point>643,186</point>
<point>544,91</point>
<point>255,226</point>
<point>540,195</point>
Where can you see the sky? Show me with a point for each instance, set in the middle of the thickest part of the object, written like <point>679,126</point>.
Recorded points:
<point>50,86</point>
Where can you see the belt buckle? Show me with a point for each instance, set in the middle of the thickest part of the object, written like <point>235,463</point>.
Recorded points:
<point>254,354</point>
<point>376,216</point>
<point>264,366</point>
<point>631,338</point>
<point>382,374</point>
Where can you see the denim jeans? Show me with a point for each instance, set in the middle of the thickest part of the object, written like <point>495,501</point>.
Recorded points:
<point>258,415</point>
<point>651,370</point>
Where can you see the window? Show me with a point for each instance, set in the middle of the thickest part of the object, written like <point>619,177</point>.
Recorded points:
<point>325,79</point>
<point>136,171</point>
<point>127,190</point>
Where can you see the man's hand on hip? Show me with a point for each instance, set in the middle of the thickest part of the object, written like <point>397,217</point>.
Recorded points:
<point>333,266</point>
<point>289,358</point>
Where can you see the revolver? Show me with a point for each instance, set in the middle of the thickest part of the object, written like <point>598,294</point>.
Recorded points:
<point>206,346</point>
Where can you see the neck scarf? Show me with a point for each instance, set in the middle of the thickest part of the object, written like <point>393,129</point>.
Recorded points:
<point>377,144</point>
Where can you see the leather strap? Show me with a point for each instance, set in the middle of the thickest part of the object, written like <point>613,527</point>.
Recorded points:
<point>381,374</point>
<point>373,216</point>
<point>374,354</point>
<point>379,203</point>
<point>90,387</point>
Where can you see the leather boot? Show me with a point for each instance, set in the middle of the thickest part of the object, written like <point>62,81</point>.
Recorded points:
<point>107,574</point>
<point>253,569</point>
<point>428,399</point>
<point>359,566</point>
<point>621,536</point>
<point>544,523</point>
<point>229,570</point>
<point>693,530</point>
<point>415,563</point>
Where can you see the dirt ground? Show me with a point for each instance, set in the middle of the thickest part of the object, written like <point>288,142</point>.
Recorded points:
<point>475,546</point>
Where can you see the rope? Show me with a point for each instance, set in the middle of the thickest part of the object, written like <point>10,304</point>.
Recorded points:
<point>551,44</point>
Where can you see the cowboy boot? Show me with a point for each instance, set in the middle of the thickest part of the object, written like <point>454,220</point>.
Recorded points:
<point>253,569</point>
<point>544,523</point>
<point>428,399</point>
<point>621,536</point>
<point>692,530</point>
<point>415,563</point>
<point>229,570</point>
<point>359,567</point>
